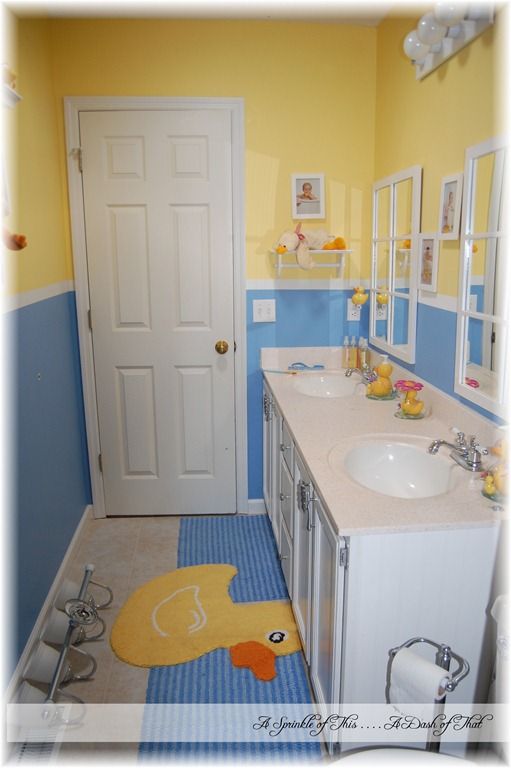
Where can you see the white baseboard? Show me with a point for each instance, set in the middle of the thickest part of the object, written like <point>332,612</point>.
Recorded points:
<point>256,507</point>
<point>38,626</point>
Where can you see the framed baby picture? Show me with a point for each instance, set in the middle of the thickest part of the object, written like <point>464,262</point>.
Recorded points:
<point>428,262</point>
<point>308,195</point>
<point>450,207</point>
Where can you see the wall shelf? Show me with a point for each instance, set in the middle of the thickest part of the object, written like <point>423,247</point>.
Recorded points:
<point>338,264</point>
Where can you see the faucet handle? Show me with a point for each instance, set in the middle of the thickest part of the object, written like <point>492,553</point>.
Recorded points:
<point>460,437</point>
<point>475,446</point>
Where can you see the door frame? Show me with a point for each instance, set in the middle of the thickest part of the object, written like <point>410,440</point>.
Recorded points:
<point>73,105</point>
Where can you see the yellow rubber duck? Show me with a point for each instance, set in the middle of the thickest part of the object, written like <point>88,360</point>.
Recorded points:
<point>489,485</point>
<point>380,387</point>
<point>360,296</point>
<point>411,405</point>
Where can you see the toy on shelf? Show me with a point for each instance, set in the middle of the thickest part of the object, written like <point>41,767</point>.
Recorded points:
<point>359,295</point>
<point>495,479</point>
<point>410,407</point>
<point>302,243</point>
<point>381,388</point>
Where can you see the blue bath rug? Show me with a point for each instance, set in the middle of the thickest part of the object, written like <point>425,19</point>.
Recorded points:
<point>246,542</point>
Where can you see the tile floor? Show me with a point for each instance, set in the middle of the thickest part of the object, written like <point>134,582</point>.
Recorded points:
<point>126,552</point>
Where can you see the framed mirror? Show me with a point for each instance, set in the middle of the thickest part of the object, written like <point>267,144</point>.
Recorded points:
<point>396,226</point>
<point>483,312</point>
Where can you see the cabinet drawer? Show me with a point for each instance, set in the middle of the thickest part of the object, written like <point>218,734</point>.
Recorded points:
<point>286,447</point>
<point>286,555</point>
<point>286,496</point>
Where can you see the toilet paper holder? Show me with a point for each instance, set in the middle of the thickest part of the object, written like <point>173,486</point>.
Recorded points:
<point>443,658</point>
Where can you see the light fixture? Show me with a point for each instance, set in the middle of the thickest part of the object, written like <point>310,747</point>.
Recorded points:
<point>429,30</point>
<point>414,49</point>
<point>450,14</point>
<point>443,32</point>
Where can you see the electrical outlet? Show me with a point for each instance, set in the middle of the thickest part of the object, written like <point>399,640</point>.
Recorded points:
<point>381,312</point>
<point>263,310</point>
<point>353,312</point>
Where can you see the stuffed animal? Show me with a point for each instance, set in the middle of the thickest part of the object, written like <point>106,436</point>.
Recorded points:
<point>300,242</point>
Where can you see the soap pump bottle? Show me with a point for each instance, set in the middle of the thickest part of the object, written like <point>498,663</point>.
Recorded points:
<point>362,352</point>
<point>346,353</point>
<point>353,353</point>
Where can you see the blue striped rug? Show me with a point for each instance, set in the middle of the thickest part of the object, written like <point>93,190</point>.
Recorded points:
<point>246,542</point>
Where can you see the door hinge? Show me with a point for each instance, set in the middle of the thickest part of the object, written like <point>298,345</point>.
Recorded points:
<point>89,319</point>
<point>77,152</point>
<point>100,462</point>
<point>235,346</point>
<point>343,557</point>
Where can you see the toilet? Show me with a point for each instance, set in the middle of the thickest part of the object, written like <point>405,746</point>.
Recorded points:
<point>399,756</point>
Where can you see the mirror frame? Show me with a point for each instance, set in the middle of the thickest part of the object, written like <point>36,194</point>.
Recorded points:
<point>495,405</point>
<point>406,351</point>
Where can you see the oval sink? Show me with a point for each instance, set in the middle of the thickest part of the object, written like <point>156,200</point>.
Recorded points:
<point>397,468</point>
<point>326,384</point>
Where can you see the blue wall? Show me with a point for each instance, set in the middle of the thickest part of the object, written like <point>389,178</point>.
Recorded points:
<point>305,318</point>
<point>52,488</point>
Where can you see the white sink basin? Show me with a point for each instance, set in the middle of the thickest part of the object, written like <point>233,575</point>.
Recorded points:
<point>397,468</point>
<point>326,384</point>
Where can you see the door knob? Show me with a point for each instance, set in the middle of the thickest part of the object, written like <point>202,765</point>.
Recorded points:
<point>221,347</point>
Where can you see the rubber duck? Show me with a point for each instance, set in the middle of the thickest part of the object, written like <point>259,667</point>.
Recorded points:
<point>411,405</point>
<point>382,297</point>
<point>359,296</point>
<point>380,387</point>
<point>489,485</point>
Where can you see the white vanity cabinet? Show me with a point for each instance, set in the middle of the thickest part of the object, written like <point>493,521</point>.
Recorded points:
<point>356,597</point>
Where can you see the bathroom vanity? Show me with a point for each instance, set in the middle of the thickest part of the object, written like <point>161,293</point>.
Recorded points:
<point>365,570</point>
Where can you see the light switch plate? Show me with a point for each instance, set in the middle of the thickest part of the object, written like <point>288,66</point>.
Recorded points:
<point>263,310</point>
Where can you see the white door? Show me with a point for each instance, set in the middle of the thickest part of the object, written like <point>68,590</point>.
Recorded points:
<point>157,189</point>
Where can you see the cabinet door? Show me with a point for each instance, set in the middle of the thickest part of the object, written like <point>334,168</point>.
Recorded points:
<point>326,609</point>
<point>286,555</point>
<point>302,554</point>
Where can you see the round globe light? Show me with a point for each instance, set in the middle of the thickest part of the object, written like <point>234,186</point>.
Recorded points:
<point>450,14</point>
<point>430,31</point>
<point>414,49</point>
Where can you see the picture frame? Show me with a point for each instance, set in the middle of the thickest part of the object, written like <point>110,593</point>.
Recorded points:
<point>450,207</point>
<point>428,262</point>
<point>308,195</point>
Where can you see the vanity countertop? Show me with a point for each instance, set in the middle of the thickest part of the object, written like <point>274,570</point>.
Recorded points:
<point>320,426</point>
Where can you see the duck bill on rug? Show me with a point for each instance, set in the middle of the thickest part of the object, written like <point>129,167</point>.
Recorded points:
<point>256,657</point>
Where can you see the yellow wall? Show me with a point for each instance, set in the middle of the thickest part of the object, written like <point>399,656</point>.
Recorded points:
<point>430,122</point>
<point>42,215</point>
<point>329,98</point>
<point>309,93</point>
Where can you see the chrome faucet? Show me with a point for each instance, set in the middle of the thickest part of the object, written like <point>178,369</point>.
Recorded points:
<point>366,373</point>
<point>466,454</point>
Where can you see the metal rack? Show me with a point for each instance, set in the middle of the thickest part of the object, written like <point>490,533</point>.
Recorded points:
<point>443,657</point>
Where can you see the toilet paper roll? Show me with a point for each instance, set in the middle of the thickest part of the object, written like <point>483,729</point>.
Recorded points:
<point>413,680</point>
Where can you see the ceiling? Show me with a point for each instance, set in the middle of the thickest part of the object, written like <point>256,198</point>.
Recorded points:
<point>365,12</point>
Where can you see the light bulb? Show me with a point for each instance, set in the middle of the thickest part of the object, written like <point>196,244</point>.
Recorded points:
<point>414,49</point>
<point>450,14</point>
<point>430,31</point>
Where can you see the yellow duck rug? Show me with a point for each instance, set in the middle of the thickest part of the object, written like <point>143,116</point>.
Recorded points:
<point>188,612</point>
